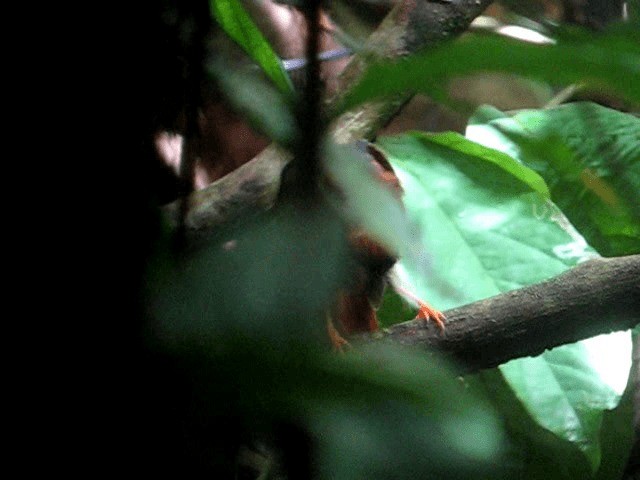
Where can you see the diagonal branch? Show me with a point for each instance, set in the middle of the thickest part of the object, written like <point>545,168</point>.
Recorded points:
<point>411,26</point>
<point>595,297</point>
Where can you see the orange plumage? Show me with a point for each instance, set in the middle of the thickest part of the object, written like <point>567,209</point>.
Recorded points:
<point>355,308</point>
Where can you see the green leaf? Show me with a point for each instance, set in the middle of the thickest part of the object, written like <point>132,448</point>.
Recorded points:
<point>570,391</point>
<point>394,309</point>
<point>476,221</point>
<point>617,436</point>
<point>237,23</point>
<point>462,145</point>
<point>268,110</point>
<point>383,412</point>
<point>242,318</point>
<point>609,61</point>
<point>532,452</point>
<point>273,276</point>
<point>487,231</point>
<point>590,158</point>
<point>368,205</point>
<point>563,393</point>
<point>415,419</point>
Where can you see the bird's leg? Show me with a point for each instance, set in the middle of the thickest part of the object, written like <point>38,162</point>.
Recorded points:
<point>337,340</point>
<point>425,311</point>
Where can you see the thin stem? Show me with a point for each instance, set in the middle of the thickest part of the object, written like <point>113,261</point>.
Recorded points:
<point>310,119</point>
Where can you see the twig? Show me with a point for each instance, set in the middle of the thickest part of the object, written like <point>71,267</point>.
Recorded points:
<point>310,124</point>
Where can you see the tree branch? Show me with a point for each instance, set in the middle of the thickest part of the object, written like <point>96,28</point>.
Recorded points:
<point>595,297</point>
<point>412,25</point>
<point>252,186</point>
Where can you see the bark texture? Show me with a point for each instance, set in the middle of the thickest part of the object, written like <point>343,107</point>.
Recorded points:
<point>595,297</point>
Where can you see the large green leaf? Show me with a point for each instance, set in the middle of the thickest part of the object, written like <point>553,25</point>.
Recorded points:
<point>533,453</point>
<point>564,393</point>
<point>609,61</point>
<point>481,225</point>
<point>617,435</point>
<point>589,156</point>
<point>393,309</point>
<point>487,232</point>
<point>524,174</point>
<point>237,23</point>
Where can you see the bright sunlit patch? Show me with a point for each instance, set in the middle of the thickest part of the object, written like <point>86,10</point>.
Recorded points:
<point>578,248</point>
<point>610,357</point>
<point>570,250</point>
<point>513,31</point>
<point>487,220</point>
<point>525,34</point>
<point>491,138</point>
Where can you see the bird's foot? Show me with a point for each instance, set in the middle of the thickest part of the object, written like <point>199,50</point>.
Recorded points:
<point>338,342</point>
<point>426,312</point>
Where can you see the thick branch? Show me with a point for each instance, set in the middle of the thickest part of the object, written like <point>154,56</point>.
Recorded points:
<point>411,26</point>
<point>252,186</point>
<point>595,297</point>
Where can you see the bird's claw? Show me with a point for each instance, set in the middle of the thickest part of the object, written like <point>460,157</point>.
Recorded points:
<point>426,312</point>
<point>337,341</point>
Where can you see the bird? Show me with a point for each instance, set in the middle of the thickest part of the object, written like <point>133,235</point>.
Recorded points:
<point>355,308</point>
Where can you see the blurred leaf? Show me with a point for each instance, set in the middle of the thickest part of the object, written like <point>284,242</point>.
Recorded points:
<point>609,61</point>
<point>617,437</point>
<point>267,109</point>
<point>368,205</point>
<point>245,319</point>
<point>272,276</point>
<point>489,232</point>
<point>237,23</point>
<point>590,157</point>
<point>417,422</point>
<point>381,412</point>
<point>531,452</point>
